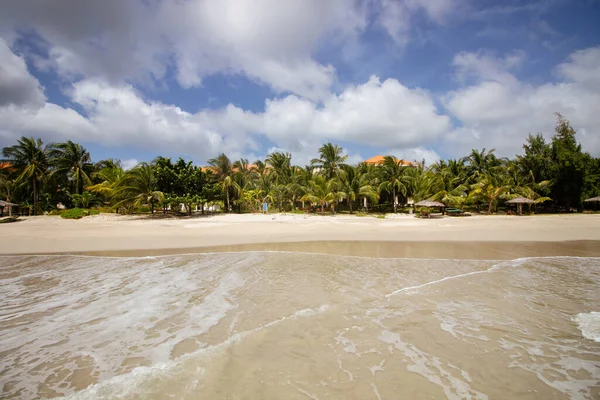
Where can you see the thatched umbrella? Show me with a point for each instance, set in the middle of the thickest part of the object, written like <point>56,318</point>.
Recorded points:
<point>593,200</point>
<point>429,203</point>
<point>7,204</point>
<point>519,201</point>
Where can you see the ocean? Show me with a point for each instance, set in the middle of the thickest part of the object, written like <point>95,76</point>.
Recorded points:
<point>293,325</point>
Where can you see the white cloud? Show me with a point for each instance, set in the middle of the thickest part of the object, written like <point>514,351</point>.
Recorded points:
<point>375,113</point>
<point>417,154</point>
<point>396,15</point>
<point>270,41</point>
<point>51,122</point>
<point>129,163</point>
<point>17,86</point>
<point>500,110</point>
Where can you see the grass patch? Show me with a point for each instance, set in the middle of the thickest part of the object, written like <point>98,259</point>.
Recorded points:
<point>78,213</point>
<point>380,216</point>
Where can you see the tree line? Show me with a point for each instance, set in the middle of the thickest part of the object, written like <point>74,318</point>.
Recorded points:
<point>557,173</point>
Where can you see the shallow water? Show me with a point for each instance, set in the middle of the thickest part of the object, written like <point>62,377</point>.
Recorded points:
<point>274,325</point>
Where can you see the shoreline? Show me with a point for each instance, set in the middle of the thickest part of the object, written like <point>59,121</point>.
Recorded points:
<point>478,237</point>
<point>376,249</point>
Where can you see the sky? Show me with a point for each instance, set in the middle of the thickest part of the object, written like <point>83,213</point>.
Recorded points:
<point>418,79</point>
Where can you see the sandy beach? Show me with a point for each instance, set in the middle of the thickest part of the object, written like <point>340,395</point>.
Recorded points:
<point>495,237</point>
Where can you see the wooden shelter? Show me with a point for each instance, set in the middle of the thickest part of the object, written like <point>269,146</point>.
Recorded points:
<point>429,204</point>
<point>519,201</point>
<point>594,200</point>
<point>5,204</point>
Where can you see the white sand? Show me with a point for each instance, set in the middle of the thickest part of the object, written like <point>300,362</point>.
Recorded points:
<point>115,232</point>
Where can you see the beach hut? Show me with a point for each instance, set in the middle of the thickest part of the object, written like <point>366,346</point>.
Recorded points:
<point>519,201</point>
<point>595,200</point>
<point>429,204</point>
<point>6,204</point>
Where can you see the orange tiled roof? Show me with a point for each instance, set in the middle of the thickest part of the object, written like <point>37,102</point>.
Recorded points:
<point>379,159</point>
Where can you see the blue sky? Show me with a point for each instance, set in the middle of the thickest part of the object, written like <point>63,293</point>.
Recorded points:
<point>414,78</point>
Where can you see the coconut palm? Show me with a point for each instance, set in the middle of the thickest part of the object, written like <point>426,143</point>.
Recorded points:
<point>480,162</point>
<point>224,170</point>
<point>72,159</point>
<point>393,178</point>
<point>490,187</point>
<point>139,187</point>
<point>109,177</point>
<point>353,184</point>
<point>281,167</point>
<point>321,191</point>
<point>29,157</point>
<point>447,186</point>
<point>331,159</point>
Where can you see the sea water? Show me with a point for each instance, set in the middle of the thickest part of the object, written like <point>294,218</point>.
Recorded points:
<point>275,325</point>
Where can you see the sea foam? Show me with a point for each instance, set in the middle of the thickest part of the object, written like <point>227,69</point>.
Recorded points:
<point>589,325</point>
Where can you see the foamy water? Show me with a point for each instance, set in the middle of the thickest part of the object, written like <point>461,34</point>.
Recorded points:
<point>275,325</point>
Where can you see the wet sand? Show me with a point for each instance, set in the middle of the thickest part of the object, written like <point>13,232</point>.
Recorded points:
<point>437,250</point>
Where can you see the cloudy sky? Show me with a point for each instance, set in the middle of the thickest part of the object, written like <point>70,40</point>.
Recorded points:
<point>415,78</point>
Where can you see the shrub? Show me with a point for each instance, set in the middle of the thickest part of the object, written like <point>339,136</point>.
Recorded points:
<point>78,213</point>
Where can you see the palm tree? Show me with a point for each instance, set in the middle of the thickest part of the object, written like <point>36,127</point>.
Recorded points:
<point>353,184</point>
<point>393,177</point>
<point>224,170</point>
<point>109,178</point>
<point>30,158</point>
<point>281,167</point>
<point>73,159</point>
<point>320,190</point>
<point>447,183</point>
<point>139,187</point>
<point>480,162</point>
<point>490,187</point>
<point>331,159</point>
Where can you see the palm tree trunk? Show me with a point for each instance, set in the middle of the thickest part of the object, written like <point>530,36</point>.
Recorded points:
<point>322,208</point>
<point>77,183</point>
<point>227,200</point>
<point>151,206</point>
<point>350,205</point>
<point>394,197</point>
<point>491,207</point>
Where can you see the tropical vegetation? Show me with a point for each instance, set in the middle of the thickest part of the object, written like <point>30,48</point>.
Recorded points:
<point>41,178</point>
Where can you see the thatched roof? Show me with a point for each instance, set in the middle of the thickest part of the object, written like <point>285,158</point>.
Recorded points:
<point>429,203</point>
<point>6,203</point>
<point>593,199</point>
<point>520,200</point>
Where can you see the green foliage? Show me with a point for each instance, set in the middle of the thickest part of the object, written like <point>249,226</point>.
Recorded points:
<point>30,161</point>
<point>72,160</point>
<point>555,173</point>
<point>84,200</point>
<point>78,213</point>
<point>568,165</point>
